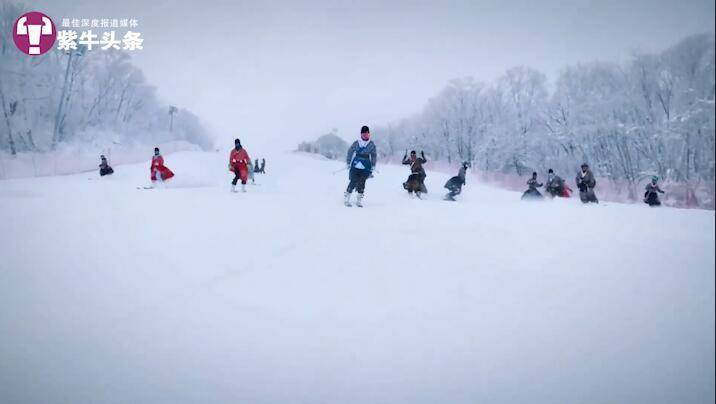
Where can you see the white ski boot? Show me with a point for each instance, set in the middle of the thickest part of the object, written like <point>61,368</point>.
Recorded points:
<point>233,188</point>
<point>243,187</point>
<point>347,199</point>
<point>359,200</point>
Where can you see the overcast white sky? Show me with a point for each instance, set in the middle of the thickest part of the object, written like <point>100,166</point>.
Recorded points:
<point>276,72</point>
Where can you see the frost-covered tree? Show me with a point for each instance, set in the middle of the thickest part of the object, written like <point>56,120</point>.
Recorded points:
<point>91,97</point>
<point>651,115</point>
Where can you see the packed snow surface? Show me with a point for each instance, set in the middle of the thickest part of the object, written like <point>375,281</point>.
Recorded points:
<point>194,294</point>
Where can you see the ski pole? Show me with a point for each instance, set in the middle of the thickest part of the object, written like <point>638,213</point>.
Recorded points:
<point>337,171</point>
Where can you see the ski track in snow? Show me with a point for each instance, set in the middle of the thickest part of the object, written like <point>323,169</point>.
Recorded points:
<point>191,293</point>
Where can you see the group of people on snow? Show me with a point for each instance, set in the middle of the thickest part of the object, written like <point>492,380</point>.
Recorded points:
<point>157,170</point>
<point>239,164</point>
<point>260,168</point>
<point>415,184</point>
<point>557,187</point>
<point>361,161</point>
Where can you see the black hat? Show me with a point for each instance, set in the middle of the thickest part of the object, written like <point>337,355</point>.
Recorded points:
<point>534,174</point>
<point>237,141</point>
<point>156,149</point>
<point>413,152</point>
<point>550,171</point>
<point>585,165</point>
<point>364,129</point>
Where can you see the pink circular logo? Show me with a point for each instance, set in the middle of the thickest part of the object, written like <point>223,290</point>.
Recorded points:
<point>34,33</point>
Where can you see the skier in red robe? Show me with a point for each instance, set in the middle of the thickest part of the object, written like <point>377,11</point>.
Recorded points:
<point>158,171</point>
<point>239,161</point>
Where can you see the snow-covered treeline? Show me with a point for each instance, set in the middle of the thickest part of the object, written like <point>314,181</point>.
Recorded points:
<point>329,145</point>
<point>651,116</point>
<point>89,98</point>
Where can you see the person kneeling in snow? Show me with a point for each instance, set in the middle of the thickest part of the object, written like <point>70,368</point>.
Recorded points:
<point>651,196</point>
<point>104,167</point>
<point>555,185</point>
<point>532,192</point>
<point>239,162</point>
<point>158,171</point>
<point>361,159</point>
<point>454,184</point>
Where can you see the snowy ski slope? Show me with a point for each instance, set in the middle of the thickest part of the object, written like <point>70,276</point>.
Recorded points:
<point>193,294</point>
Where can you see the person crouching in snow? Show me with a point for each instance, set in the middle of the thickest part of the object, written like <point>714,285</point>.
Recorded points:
<point>239,161</point>
<point>454,184</point>
<point>361,159</point>
<point>104,167</point>
<point>651,196</point>
<point>532,192</point>
<point>555,185</point>
<point>158,171</point>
